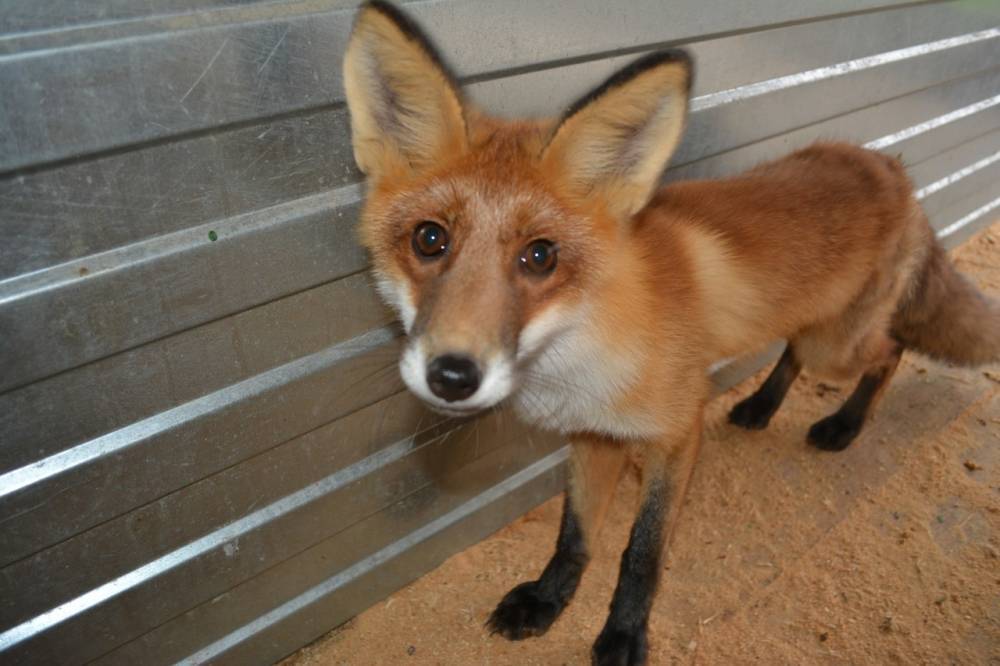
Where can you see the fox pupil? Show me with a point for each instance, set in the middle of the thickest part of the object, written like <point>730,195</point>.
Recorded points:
<point>430,239</point>
<point>539,257</point>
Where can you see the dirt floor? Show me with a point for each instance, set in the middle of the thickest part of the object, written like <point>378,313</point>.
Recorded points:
<point>886,553</point>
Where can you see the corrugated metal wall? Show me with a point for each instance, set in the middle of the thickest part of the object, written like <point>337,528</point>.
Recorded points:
<point>205,452</point>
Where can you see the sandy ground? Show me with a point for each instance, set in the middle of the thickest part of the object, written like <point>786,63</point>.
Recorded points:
<point>887,553</point>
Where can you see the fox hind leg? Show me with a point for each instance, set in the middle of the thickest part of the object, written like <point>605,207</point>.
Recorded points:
<point>531,607</point>
<point>755,412</point>
<point>837,431</point>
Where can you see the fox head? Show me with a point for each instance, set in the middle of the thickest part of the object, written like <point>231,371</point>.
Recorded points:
<point>488,236</point>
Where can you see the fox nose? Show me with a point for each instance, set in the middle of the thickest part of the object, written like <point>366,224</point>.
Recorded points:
<point>452,377</point>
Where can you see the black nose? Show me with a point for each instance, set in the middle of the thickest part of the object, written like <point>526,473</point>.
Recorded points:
<point>452,377</point>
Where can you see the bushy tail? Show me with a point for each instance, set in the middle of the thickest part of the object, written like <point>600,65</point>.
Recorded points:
<point>947,318</point>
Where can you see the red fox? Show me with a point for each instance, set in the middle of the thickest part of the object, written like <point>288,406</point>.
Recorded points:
<point>536,263</point>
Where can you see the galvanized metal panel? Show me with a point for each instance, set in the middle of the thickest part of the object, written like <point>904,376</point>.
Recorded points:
<point>102,477</point>
<point>20,16</point>
<point>247,472</point>
<point>350,446</point>
<point>916,126</point>
<point>184,268</point>
<point>766,54</point>
<point>97,205</point>
<point>957,175</point>
<point>273,533</point>
<point>183,367</point>
<point>114,301</point>
<point>938,203</point>
<point>172,82</point>
<point>956,163</point>
<point>246,619</point>
<point>960,220</point>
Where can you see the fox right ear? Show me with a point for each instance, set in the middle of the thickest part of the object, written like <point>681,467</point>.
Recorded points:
<point>406,110</point>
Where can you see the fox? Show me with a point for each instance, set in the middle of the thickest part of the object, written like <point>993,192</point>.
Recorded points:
<point>537,264</point>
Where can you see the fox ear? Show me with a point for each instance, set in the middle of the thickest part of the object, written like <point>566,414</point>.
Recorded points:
<point>615,141</point>
<point>406,109</point>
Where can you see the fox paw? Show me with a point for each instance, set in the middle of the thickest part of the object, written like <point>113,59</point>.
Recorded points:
<point>833,433</point>
<point>619,648</point>
<point>752,413</point>
<point>523,613</point>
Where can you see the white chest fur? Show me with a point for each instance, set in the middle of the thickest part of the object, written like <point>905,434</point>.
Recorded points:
<point>575,384</point>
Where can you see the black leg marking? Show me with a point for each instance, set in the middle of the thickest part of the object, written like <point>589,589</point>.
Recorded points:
<point>755,412</point>
<point>623,639</point>
<point>837,431</point>
<point>530,608</point>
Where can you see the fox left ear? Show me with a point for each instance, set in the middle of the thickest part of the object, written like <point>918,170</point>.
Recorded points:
<point>406,109</point>
<point>615,141</point>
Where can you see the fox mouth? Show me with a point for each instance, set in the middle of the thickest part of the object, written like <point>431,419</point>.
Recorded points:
<point>452,410</point>
<point>456,412</point>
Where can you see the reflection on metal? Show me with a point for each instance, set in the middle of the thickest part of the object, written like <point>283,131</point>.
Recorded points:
<point>839,69</point>
<point>978,214</point>
<point>217,539</point>
<point>146,251</point>
<point>953,178</point>
<point>64,461</point>
<point>387,554</point>
<point>199,411</point>
<point>916,130</point>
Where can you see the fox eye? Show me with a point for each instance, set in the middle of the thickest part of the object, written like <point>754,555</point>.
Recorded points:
<point>430,239</point>
<point>539,258</point>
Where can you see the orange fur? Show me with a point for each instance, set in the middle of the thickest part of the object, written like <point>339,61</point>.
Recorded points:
<point>826,248</point>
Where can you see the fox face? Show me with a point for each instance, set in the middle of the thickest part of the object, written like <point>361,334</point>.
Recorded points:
<point>484,271</point>
<point>492,238</point>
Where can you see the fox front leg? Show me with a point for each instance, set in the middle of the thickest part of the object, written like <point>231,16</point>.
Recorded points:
<point>530,608</point>
<point>666,472</point>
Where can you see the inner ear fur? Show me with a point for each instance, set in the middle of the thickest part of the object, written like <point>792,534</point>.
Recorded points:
<point>406,109</point>
<point>615,141</point>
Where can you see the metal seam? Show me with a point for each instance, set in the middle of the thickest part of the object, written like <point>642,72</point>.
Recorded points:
<point>926,126</point>
<point>206,543</point>
<point>956,176</point>
<point>380,557</point>
<point>133,434</point>
<point>968,219</point>
<point>741,93</point>
<point>151,249</point>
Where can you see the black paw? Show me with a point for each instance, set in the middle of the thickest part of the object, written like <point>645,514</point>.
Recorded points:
<point>833,433</point>
<point>619,648</point>
<point>523,613</point>
<point>753,413</point>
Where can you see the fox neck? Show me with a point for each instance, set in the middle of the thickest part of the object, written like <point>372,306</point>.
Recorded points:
<point>582,379</point>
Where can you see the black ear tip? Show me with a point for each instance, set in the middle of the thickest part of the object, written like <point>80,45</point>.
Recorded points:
<point>391,12</point>
<point>634,69</point>
<point>413,32</point>
<point>405,24</point>
<point>381,6</point>
<point>677,56</point>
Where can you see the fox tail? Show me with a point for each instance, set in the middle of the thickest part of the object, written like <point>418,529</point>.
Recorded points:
<point>946,317</point>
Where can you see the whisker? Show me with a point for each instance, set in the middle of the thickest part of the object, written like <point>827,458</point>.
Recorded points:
<point>561,384</point>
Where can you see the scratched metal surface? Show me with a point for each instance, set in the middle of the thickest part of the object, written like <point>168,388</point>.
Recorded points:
<point>205,451</point>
